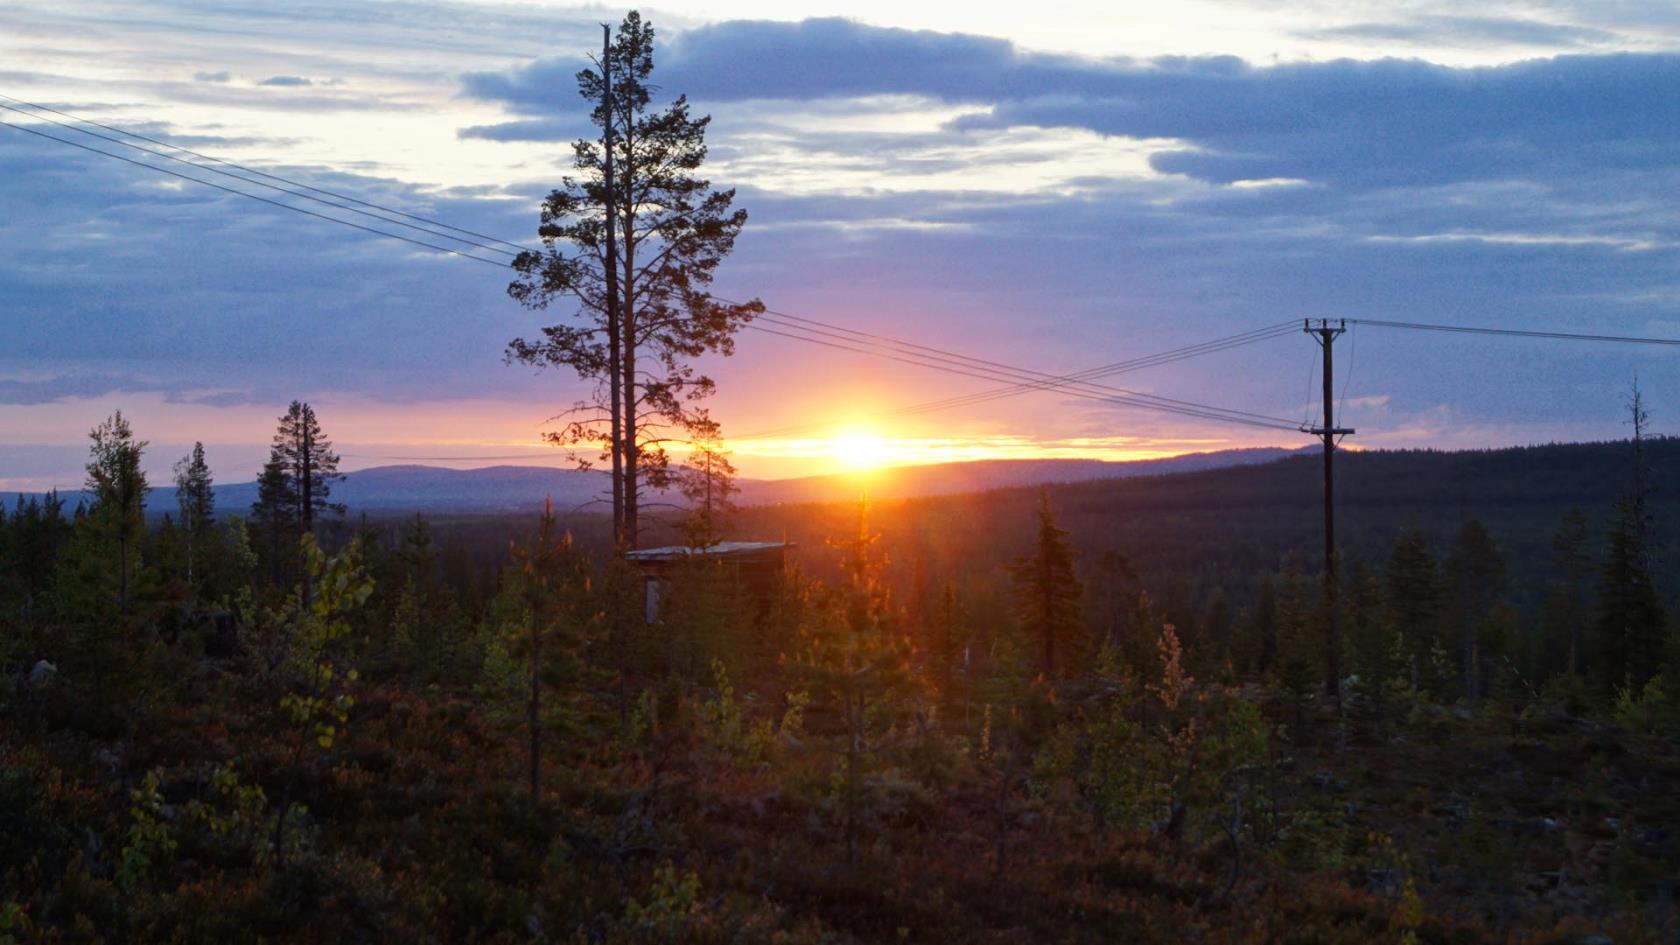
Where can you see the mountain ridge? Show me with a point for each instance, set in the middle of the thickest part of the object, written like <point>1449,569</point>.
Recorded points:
<point>415,487</point>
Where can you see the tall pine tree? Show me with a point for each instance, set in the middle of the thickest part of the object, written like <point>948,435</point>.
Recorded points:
<point>635,239</point>
<point>311,466</point>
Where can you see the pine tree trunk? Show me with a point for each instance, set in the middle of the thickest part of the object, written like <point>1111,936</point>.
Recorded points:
<point>617,434</point>
<point>632,449</point>
<point>618,380</point>
<point>632,457</point>
<point>306,512</point>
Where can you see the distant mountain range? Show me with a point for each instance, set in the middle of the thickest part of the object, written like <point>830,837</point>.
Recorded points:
<point>433,489</point>
<point>981,475</point>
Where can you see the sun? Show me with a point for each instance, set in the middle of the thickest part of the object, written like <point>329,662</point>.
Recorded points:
<point>859,450</point>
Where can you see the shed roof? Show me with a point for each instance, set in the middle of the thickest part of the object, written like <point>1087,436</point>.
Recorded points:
<point>723,549</point>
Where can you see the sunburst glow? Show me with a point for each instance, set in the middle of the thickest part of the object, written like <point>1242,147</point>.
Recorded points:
<point>859,450</point>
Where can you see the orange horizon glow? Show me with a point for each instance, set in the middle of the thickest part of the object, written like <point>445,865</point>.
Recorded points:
<point>861,451</point>
<point>488,432</point>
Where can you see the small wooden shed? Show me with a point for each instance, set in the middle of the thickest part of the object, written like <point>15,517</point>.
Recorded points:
<point>758,565</point>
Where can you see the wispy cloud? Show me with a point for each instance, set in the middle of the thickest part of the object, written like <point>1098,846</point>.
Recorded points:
<point>1436,30</point>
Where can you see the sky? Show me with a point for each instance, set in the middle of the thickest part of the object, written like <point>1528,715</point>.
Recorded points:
<point>1052,186</point>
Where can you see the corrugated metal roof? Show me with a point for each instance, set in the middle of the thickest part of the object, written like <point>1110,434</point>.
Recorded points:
<point>721,549</point>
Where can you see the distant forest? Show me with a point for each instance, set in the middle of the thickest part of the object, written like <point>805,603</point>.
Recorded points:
<point>1190,534</point>
<point>1104,710</point>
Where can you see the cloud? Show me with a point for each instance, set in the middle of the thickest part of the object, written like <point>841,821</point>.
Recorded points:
<point>209,298</point>
<point>809,59</point>
<point>31,390</point>
<point>210,76</point>
<point>1450,31</point>
<point>1357,123</point>
<point>47,390</point>
<point>1387,122</point>
<point>536,129</point>
<point>287,81</point>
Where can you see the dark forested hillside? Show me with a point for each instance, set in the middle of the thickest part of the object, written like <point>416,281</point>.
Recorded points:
<point>1234,523</point>
<point>1097,711</point>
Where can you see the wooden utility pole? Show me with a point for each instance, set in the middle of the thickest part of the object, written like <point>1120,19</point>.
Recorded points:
<point>1325,331</point>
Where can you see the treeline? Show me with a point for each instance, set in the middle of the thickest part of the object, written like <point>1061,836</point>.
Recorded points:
<point>338,730</point>
<point>1225,527</point>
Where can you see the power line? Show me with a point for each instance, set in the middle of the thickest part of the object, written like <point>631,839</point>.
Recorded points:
<point>430,222</point>
<point>1184,408</point>
<point>964,400</point>
<point>798,327</point>
<point>258,183</point>
<point>1515,332</point>
<point>1008,372</point>
<point>804,321</point>
<point>1136,364</point>
<point>1048,382</point>
<point>259,197</point>
<point>250,170</point>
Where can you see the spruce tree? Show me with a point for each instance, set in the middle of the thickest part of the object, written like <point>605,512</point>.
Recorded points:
<point>1378,655</point>
<point>850,651</point>
<point>635,239</point>
<point>1412,595</point>
<point>1566,606</point>
<point>1262,624</point>
<point>36,536</point>
<point>1216,635</point>
<point>1047,592</point>
<point>949,638</point>
<point>1300,655</point>
<point>552,577</point>
<point>119,488</point>
<point>274,516</point>
<point>196,499</point>
<point>311,466</point>
<point>1114,598</point>
<point>1477,571</point>
<point>1631,623</point>
<point>707,483</point>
